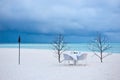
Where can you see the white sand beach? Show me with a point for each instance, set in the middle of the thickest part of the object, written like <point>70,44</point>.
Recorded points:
<point>39,64</point>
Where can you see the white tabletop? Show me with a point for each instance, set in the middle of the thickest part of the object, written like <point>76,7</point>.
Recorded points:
<point>74,55</point>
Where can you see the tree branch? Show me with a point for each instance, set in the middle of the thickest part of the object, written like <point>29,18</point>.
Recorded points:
<point>107,55</point>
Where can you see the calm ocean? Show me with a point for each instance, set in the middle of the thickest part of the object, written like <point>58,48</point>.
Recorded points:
<point>75,47</point>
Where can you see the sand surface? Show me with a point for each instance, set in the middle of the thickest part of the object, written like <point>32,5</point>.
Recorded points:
<point>42,65</point>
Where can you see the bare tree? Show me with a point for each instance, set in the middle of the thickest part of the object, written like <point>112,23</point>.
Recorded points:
<point>100,45</point>
<point>59,46</point>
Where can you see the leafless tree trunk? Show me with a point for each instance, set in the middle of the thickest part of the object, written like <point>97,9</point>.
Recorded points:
<point>59,46</point>
<point>100,45</point>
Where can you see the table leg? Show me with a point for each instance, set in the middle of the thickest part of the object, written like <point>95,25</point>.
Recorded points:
<point>75,62</point>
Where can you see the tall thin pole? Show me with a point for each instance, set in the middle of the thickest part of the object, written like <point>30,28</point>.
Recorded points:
<point>19,50</point>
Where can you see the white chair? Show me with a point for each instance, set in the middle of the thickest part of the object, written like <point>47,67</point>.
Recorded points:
<point>82,57</point>
<point>67,58</point>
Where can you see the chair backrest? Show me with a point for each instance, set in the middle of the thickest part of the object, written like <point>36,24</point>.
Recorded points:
<point>67,57</point>
<point>82,56</point>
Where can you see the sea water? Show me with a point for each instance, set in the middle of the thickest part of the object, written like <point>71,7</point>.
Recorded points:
<point>115,47</point>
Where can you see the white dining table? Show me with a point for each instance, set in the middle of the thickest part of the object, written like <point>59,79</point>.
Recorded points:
<point>74,56</point>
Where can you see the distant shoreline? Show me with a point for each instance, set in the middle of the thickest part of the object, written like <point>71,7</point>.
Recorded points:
<point>71,47</point>
<point>53,50</point>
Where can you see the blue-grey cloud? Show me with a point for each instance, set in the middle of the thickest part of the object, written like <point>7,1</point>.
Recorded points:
<point>84,17</point>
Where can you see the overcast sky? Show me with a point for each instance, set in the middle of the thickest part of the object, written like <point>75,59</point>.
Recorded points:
<point>78,19</point>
